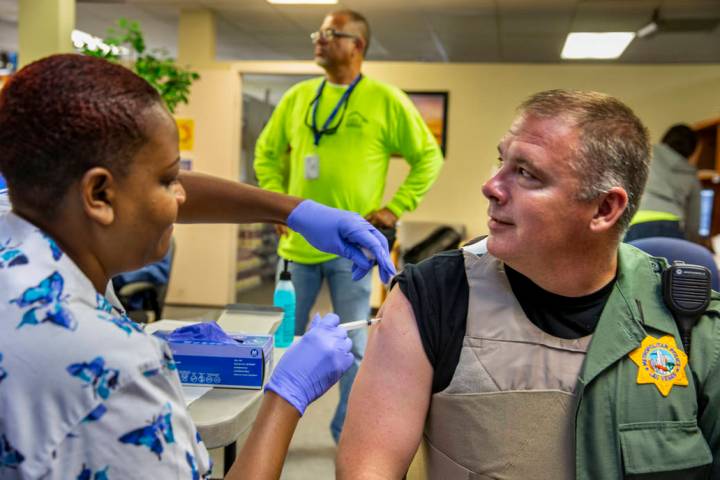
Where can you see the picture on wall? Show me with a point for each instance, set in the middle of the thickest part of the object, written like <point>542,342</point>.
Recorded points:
<point>433,107</point>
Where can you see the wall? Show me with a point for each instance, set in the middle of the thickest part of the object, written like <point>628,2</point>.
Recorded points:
<point>206,255</point>
<point>44,28</point>
<point>204,267</point>
<point>482,102</point>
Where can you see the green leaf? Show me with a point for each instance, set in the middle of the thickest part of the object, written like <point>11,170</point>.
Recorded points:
<point>156,67</point>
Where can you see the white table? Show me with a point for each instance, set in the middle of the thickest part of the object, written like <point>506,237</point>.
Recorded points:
<point>222,415</point>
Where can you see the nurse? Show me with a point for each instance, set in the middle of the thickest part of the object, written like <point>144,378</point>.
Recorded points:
<point>90,156</point>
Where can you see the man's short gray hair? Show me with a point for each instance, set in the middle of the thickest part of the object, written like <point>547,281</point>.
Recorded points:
<point>614,145</point>
<point>360,21</point>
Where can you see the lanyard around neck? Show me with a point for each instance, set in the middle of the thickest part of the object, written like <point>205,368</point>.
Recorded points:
<point>317,134</point>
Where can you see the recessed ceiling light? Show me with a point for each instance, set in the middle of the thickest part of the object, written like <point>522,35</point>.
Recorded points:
<point>303,2</point>
<point>606,45</point>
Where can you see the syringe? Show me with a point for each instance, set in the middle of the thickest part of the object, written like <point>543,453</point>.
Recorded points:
<point>359,324</point>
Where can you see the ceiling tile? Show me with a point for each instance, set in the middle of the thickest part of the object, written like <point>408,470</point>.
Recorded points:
<point>536,23</point>
<point>269,21</point>
<point>690,8</point>
<point>674,48</point>
<point>414,30</point>
<point>612,16</point>
<point>307,20</point>
<point>414,6</point>
<point>159,24</point>
<point>463,24</point>
<point>536,5</point>
<point>398,22</point>
<point>531,48</point>
<point>465,7</point>
<point>481,48</point>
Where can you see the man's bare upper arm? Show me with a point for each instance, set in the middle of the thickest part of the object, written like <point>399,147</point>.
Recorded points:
<point>389,399</point>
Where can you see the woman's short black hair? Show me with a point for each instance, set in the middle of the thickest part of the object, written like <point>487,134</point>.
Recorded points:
<point>61,116</point>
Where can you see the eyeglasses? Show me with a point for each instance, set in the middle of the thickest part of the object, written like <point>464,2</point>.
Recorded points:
<point>329,34</point>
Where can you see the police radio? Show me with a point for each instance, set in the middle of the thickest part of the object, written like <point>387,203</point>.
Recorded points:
<point>686,291</point>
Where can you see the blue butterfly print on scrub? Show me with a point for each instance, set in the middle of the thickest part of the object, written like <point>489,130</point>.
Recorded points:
<point>169,361</point>
<point>151,436</point>
<point>102,379</point>
<point>193,466</point>
<point>9,457</point>
<point>46,300</point>
<point>3,372</point>
<point>198,440</point>
<point>95,414</point>
<point>87,474</point>
<point>11,256</point>
<point>103,304</point>
<point>56,252</point>
<point>122,321</point>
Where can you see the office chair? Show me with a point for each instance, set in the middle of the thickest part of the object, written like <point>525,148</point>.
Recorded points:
<point>141,295</point>
<point>679,249</point>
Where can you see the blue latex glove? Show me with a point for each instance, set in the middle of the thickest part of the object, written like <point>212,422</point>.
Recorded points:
<point>342,233</point>
<point>313,364</point>
<point>202,332</point>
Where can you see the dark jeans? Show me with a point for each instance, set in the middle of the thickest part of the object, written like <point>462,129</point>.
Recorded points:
<point>664,228</point>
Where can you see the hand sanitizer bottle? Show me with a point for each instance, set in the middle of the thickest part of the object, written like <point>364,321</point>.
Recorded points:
<point>284,298</point>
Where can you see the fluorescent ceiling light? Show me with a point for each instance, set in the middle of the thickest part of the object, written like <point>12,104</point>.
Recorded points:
<point>596,45</point>
<point>303,2</point>
<point>81,39</point>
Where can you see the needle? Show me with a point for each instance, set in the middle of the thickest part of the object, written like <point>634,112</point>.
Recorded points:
<point>359,324</point>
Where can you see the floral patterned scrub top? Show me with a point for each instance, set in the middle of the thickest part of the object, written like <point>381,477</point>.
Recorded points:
<point>85,393</point>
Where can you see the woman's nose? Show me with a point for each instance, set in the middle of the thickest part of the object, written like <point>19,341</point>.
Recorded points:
<point>180,195</point>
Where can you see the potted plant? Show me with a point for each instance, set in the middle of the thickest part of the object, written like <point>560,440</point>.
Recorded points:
<point>156,66</point>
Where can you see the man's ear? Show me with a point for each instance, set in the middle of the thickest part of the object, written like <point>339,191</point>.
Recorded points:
<point>360,44</point>
<point>611,207</point>
<point>99,191</point>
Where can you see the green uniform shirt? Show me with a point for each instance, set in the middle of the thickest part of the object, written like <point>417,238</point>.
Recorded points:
<point>629,430</point>
<point>380,120</point>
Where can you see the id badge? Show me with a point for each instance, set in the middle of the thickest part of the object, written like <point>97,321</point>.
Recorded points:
<point>312,166</point>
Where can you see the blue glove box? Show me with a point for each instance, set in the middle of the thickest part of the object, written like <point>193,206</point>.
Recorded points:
<point>212,364</point>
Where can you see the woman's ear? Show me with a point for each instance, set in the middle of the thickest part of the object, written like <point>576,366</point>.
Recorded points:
<point>611,207</point>
<point>99,191</point>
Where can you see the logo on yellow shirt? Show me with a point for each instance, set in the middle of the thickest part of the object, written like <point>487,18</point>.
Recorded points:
<point>355,119</point>
<point>661,362</point>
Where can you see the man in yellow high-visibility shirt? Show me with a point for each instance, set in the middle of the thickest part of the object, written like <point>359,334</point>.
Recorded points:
<point>341,130</point>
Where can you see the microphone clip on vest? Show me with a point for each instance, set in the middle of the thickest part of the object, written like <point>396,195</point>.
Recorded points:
<point>686,292</point>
